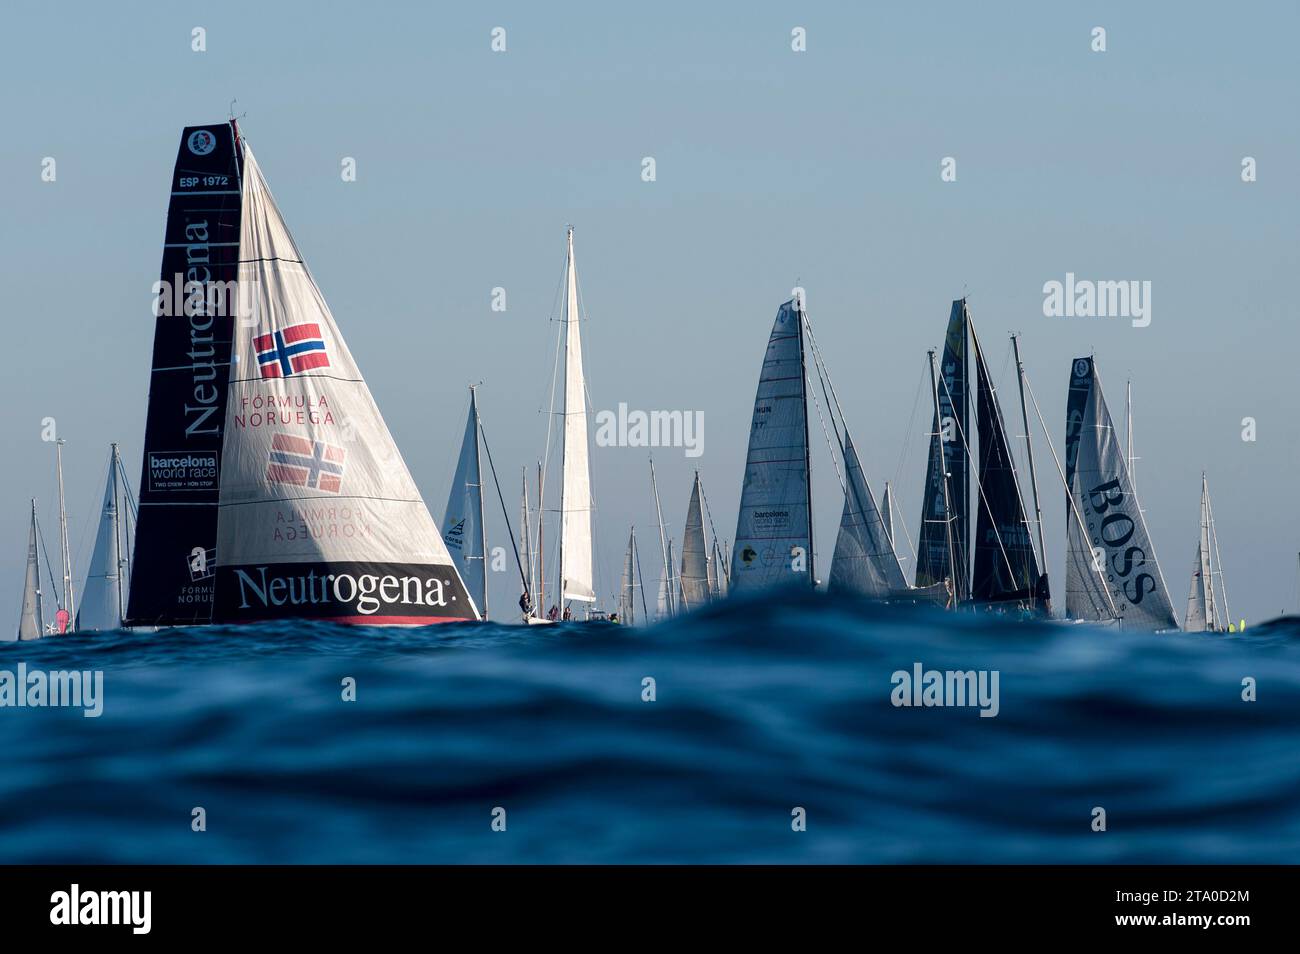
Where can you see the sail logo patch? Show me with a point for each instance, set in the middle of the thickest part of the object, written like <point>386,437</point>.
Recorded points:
<point>291,350</point>
<point>455,537</point>
<point>201,142</point>
<point>302,462</point>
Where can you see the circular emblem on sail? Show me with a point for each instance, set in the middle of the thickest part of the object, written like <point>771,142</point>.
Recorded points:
<point>1081,368</point>
<point>201,142</point>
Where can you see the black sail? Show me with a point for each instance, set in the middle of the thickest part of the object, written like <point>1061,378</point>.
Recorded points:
<point>172,575</point>
<point>1006,569</point>
<point>932,563</point>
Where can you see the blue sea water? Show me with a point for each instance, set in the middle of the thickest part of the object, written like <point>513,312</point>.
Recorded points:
<point>760,708</point>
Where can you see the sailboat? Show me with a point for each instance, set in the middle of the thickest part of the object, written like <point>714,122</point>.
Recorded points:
<point>1203,613</point>
<point>30,622</point>
<point>632,584</point>
<point>464,530</point>
<point>103,597</point>
<point>698,584</point>
<point>575,578</point>
<point>1111,568</point>
<point>773,546</point>
<point>270,485</point>
<point>1005,570</point>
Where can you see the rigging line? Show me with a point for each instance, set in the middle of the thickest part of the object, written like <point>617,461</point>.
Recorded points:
<point>636,556</point>
<point>501,497</point>
<point>1074,507</point>
<point>49,569</point>
<point>709,513</point>
<point>903,456</point>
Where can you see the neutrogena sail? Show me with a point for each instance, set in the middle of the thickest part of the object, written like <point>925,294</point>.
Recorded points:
<point>1112,572</point>
<point>176,536</point>
<point>773,543</point>
<point>318,516</point>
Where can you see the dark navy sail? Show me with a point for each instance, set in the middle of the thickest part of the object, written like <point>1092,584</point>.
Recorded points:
<point>948,447</point>
<point>1006,569</point>
<point>171,581</point>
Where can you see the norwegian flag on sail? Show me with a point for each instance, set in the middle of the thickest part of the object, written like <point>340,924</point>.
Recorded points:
<point>291,350</point>
<point>303,462</point>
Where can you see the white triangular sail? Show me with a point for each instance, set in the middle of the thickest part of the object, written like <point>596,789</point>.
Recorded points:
<point>106,584</point>
<point>30,624</point>
<point>1118,549</point>
<point>696,583</point>
<point>576,580</point>
<point>864,562</point>
<point>318,514</point>
<point>462,524</point>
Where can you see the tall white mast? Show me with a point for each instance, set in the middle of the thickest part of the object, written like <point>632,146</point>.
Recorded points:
<point>663,541</point>
<point>68,600</point>
<point>119,532</point>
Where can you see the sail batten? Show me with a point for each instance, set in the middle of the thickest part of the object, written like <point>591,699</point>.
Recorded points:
<point>774,526</point>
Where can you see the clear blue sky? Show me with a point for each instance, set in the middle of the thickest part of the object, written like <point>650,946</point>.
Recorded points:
<point>772,166</point>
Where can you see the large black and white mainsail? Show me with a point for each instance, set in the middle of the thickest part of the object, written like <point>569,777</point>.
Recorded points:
<point>318,514</point>
<point>1006,569</point>
<point>1112,572</point>
<point>773,543</point>
<point>176,536</point>
<point>943,549</point>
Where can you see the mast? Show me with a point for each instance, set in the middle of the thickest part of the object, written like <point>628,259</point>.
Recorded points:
<point>68,601</point>
<point>541,546</point>
<point>943,469</point>
<point>526,534</point>
<point>478,479</point>
<point>1029,452</point>
<point>1128,433</point>
<point>807,445</point>
<point>663,544</point>
<point>119,501</point>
